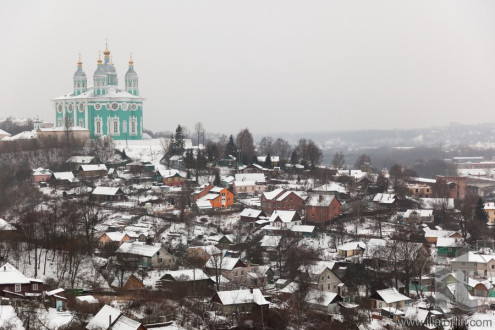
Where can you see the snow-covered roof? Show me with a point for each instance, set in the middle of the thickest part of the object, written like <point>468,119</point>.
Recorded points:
<point>170,173</point>
<point>93,167</point>
<point>258,178</point>
<point>272,194</point>
<point>107,315</point>
<point>10,275</point>
<point>437,233</point>
<point>318,267</point>
<point>357,174</point>
<point>203,204</point>
<point>88,299</point>
<point>64,176</point>
<point>41,171</point>
<point>107,191</point>
<point>216,190</point>
<point>225,263</point>
<point>113,92</point>
<point>115,236</point>
<point>186,275</point>
<point>302,228</point>
<point>290,288</point>
<point>54,292</point>
<point>322,298</point>
<point>391,295</point>
<point>424,180</point>
<point>320,200</point>
<point>250,213</point>
<point>26,135</point>
<point>475,257</point>
<point>331,187</point>
<point>352,246</point>
<point>285,216</point>
<point>448,242</point>
<point>210,249</point>
<point>489,206</point>
<point>244,183</point>
<point>138,248</point>
<point>236,297</point>
<point>80,159</point>
<point>384,198</point>
<point>4,225</point>
<point>2,132</point>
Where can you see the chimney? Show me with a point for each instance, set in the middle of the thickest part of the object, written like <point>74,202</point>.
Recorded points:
<point>109,321</point>
<point>251,290</point>
<point>320,198</point>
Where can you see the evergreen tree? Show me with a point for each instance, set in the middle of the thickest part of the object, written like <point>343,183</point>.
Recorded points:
<point>201,163</point>
<point>268,161</point>
<point>217,182</point>
<point>179,141</point>
<point>189,161</point>
<point>294,159</point>
<point>480,212</point>
<point>230,148</point>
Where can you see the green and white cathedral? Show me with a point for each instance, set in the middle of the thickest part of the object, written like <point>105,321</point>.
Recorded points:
<point>104,109</point>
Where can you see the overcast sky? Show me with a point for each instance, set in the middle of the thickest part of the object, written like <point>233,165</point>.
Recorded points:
<point>271,66</point>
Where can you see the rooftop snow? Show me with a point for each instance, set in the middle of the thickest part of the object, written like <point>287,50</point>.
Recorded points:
<point>10,275</point>
<point>138,248</point>
<point>236,297</point>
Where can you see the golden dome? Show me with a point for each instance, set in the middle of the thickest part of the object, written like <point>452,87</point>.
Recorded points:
<point>79,62</point>
<point>131,62</point>
<point>106,52</point>
<point>99,58</point>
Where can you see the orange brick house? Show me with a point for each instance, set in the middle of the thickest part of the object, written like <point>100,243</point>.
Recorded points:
<point>281,199</point>
<point>322,208</point>
<point>217,197</point>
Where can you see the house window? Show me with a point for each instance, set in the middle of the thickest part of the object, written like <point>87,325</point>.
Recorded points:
<point>17,288</point>
<point>35,286</point>
<point>379,305</point>
<point>160,260</point>
<point>328,276</point>
<point>328,286</point>
<point>158,253</point>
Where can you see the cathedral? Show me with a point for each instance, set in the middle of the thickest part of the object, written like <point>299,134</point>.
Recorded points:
<point>104,109</point>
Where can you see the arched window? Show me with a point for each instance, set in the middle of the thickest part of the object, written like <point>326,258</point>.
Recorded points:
<point>124,126</point>
<point>115,127</point>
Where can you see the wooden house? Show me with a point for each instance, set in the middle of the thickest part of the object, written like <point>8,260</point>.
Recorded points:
<point>13,284</point>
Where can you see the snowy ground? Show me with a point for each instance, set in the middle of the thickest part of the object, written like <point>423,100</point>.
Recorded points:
<point>143,150</point>
<point>8,317</point>
<point>86,275</point>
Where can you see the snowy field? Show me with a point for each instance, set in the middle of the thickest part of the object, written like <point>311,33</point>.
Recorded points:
<point>143,150</point>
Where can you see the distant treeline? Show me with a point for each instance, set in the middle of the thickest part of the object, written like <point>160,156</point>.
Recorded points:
<point>16,127</point>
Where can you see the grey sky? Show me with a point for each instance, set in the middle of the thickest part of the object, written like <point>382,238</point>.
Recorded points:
<point>272,66</point>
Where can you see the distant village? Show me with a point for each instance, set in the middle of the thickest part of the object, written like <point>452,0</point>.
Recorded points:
<point>188,232</point>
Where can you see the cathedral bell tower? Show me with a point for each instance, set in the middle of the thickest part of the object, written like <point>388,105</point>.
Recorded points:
<point>100,79</point>
<point>131,79</point>
<point>80,80</point>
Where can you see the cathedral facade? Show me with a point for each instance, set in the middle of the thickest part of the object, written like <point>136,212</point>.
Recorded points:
<point>104,108</point>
